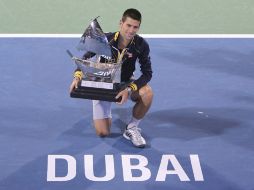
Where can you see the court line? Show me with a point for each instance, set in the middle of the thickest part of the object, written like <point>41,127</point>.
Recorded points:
<point>144,35</point>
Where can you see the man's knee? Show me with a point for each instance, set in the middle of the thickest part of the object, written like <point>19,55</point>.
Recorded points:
<point>102,133</point>
<point>146,94</point>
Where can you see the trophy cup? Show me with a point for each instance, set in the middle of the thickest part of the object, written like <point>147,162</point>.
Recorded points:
<point>101,74</point>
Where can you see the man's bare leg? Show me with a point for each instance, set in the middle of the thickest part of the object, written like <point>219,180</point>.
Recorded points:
<point>143,99</point>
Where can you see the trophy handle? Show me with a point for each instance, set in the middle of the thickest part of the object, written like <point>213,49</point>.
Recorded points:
<point>69,53</point>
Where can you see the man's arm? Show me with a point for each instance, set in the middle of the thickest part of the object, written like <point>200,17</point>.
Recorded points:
<point>145,67</point>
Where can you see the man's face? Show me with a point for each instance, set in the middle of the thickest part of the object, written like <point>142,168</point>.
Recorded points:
<point>129,28</point>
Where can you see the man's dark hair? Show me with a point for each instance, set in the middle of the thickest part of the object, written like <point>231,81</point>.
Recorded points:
<point>132,13</point>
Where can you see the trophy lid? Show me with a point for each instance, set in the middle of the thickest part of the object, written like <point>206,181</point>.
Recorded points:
<point>94,40</point>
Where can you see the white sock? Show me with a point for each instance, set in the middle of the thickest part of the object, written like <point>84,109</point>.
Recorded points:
<point>133,123</point>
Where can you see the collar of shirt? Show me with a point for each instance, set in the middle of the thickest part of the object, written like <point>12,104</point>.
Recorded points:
<point>114,41</point>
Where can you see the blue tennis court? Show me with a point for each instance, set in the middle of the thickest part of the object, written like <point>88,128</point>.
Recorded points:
<point>199,129</point>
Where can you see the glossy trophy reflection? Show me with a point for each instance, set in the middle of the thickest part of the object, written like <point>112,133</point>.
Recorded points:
<point>101,78</point>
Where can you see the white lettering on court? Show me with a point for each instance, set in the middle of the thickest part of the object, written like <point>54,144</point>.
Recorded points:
<point>141,167</point>
<point>51,171</point>
<point>89,169</point>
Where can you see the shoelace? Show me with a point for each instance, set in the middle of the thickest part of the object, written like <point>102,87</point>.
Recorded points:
<point>135,132</point>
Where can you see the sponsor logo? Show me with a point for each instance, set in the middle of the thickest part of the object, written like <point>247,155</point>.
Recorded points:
<point>103,73</point>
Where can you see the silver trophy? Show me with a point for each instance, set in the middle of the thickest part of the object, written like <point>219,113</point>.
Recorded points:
<point>101,73</point>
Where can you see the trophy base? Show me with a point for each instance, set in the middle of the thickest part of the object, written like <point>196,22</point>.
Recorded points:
<point>98,93</point>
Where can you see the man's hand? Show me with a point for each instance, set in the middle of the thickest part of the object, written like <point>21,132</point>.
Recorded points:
<point>74,84</point>
<point>124,94</point>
